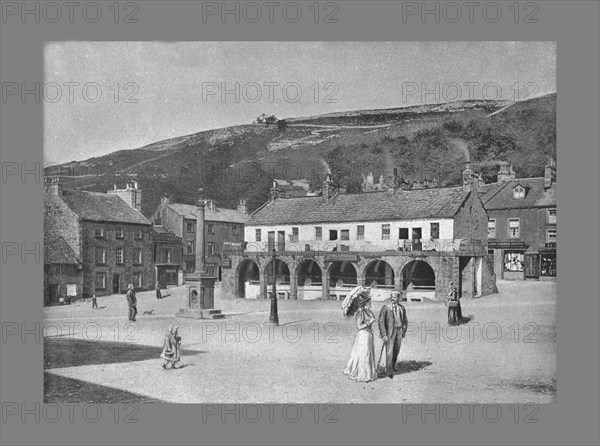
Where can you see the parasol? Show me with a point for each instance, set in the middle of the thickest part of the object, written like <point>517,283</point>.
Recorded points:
<point>350,304</point>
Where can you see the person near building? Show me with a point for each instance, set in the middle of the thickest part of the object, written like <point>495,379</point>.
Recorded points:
<point>94,302</point>
<point>361,364</point>
<point>131,302</point>
<point>158,295</point>
<point>171,348</point>
<point>393,324</point>
<point>453,304</point>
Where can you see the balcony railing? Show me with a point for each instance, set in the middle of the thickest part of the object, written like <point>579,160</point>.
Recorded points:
<point>308,247</point>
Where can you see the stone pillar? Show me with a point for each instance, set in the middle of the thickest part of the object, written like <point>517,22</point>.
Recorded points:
<point>263,284</point>
<point>200,211</point>
<point>325,279</point>
<point>293,283</point>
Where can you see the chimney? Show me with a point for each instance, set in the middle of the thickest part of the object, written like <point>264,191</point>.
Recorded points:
<point>242,207</point>
<point>506,173</point>
<point>200,211</point>
<point>328,189</point>
<point>467,175</point>
<point>130,195</point>
<point>549,174</point>
<point>273,193</point>
<point>165,199</point>
<point>53,185</point>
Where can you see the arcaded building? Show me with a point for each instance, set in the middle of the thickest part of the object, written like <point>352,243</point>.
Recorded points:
<point>415,241</point>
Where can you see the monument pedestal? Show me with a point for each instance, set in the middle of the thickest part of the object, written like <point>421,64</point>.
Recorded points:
<point>201,298</point>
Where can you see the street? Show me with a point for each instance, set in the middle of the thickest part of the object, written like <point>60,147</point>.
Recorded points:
<point>505,353</point>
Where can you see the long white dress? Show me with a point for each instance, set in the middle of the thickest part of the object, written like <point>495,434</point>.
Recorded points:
<point>361,365</point>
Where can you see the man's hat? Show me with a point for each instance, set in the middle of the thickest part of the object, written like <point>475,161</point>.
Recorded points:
<point>130,286</point>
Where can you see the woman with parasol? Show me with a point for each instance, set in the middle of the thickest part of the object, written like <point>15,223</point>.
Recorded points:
<point>361,365</point>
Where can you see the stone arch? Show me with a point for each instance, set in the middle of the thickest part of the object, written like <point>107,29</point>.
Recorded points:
<point>282,270</point>
<point>343,271</point>
<point>309,272</point>
<point>418,272</point>
<point>246,271</point>
<point>378,272</point>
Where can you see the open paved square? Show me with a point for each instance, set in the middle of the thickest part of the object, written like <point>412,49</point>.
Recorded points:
<point>505,353</point>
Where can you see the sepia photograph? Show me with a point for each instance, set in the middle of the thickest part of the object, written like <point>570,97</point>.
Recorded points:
<point>300,222</point>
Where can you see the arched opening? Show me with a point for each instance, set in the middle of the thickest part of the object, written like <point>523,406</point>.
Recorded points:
<point>379,273</point>
<point>342,277</point>
<point>281,270</point>
<point>309,280</point>
<point>248,279</point>
<point>418,275</point>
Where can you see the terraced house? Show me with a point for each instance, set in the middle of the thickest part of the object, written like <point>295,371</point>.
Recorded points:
<point>415,241</point>
<point>223,231</point>
<point>522,225</point>
<point>104,232</point>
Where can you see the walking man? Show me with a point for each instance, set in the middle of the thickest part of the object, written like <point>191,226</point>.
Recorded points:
<point>94,302</point>
<point>132,302</point>
<point>392,328</point>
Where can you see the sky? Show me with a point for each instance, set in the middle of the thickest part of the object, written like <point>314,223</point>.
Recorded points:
<point>100,97</point>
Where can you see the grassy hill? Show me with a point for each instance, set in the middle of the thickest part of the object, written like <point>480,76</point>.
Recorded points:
<point>426,141</point>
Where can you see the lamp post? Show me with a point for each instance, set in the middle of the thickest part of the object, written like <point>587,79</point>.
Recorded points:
<point>274,317</point>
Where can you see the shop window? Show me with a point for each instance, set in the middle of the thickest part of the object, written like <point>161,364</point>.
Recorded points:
<point>513,261</point>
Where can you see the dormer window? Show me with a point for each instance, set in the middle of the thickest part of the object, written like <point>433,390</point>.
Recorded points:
<point>518,192</point>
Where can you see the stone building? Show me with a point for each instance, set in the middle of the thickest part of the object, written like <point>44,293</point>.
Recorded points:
<point>223,233</point>
<point>168,257</point>
<point>522,225</point>
<point>108,234</point>
<point>63,270</point>
<point>415,241</point>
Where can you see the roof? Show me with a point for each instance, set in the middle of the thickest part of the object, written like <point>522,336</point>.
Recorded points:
<point>371,206</point>
<point>160,233</point>
<point>58,251</point>
<point>500,195</point>
<point>96,206</point>
<point>219,214</point>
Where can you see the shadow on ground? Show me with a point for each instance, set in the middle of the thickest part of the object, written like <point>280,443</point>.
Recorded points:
<point>405,367</point>
<point>67,390</point>
<point>61,352</point>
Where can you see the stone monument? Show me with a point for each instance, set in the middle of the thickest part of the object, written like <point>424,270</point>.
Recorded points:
<point>200,285</point>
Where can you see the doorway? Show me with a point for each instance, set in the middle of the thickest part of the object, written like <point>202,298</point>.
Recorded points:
<point>116,283</point>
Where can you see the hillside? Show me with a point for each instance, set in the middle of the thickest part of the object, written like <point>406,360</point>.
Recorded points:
<point>426,141</point>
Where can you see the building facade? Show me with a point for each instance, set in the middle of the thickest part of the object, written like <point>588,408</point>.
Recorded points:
<point>522,226</point>
<point>414,241</point>
<point>112,239</point>
<point>63,271</point>
<point>168,257</point>
<point>223,232</point>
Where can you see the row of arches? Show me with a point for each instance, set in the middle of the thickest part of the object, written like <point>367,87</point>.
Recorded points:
<point>340,273</point>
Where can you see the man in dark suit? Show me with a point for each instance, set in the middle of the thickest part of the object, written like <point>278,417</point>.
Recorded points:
<point>392,328</point>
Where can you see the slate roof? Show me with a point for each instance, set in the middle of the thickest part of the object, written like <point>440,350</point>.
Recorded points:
<point>160,233</point>
<point>58,251</point>
<point>219,214</point>
<point>500,195</point>
<point>96,206</point>
<point>370,206</point>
